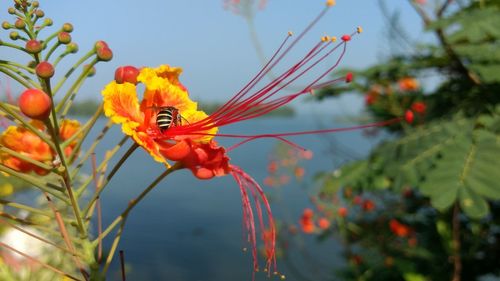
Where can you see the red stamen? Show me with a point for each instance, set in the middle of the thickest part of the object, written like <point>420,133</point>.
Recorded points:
<point>247,183</point>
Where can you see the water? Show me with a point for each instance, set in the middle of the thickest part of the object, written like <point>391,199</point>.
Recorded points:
<point>188,229</point>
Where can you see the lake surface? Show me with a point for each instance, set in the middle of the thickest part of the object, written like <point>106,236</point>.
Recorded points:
<point>188,229</point>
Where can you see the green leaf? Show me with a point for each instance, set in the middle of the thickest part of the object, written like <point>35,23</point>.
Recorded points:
<point>473,204</point>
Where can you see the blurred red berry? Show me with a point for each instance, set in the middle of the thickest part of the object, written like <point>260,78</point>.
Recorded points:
<point>342,211</point>
<point>419,107</point>
<point>323,223</point>
<point>35,104</point>
<point>409,116</point>
<point>348,77</point>
<point>368,205</point>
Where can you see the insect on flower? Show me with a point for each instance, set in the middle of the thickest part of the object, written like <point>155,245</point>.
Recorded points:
<point>167,117</point>
<point>167,138</point>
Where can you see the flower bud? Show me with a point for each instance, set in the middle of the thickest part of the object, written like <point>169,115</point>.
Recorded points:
<point>44,70</point>
<point>126,74</point>
<point>35,104</point>
<point>12,10</point>
<point>67,27</point>
<point>64,37</point>
<point>409,116</point>
<point>104,54</point>
<point>346,38</point>
<point>20,24</point>
<point>348,77</point>
<point>100,44</point>
<point>14,35</point>
<point>48,22</point>
<point>39,13</point>
<point>6,25</point>
<point>33,46</point>
<point>72,48</point>
<point>35,4</point>
<point>91,72</point>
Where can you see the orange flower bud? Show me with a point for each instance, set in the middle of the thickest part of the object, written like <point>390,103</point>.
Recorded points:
<point>20,24</point>
<point>126,74</point>
<point>33,46</point>
<point>44,70</point>
<point>35,104</point>
<point>104,54</point>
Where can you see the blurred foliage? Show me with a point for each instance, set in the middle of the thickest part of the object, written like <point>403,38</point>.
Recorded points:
<point>448,150</point>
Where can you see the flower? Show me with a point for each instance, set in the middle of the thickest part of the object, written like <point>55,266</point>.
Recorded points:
<point>407,84</point>
<point>306,221</point>
<point>168,125</point>
<point>27,143</point>
<point>323,223</point>
<point>246,8</point>
<point>399,229</point>
<point>419,107</point>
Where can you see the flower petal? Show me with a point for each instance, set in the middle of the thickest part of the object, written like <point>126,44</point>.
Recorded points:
<point>122,106</point>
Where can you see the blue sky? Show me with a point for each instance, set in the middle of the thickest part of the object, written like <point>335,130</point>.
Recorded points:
<point>211,44</point>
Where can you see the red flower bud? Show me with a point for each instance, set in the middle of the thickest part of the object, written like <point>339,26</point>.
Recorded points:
<point>342,211</point>
<point>33,46</point>
<point>348,77</point>
<point>346,38</point>
<point>35,104</point>
<point>126,74</point>
<point>91,72</point>
<point>419,107</point>
<point>20,24</point>
<point>100,44</point>
<point>104,54</point>
<point>44,70</point>
<point>409,116</point>
<point>64,37</point>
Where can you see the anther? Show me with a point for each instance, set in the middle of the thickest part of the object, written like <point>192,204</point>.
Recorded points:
<point>346,38</point>
<point>359,29</point>
<point>290,33</point>
<point>333,39</point>
<point>330,3</point>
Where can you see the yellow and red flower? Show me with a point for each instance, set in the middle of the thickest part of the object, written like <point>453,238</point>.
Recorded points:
<point>189,141</point>
<point>28,144</point>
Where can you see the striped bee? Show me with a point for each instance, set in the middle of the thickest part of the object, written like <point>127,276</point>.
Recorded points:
<point>167,117</point>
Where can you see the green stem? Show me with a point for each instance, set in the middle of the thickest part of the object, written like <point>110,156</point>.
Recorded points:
<point>110,176</point>
<point>109,154</point>
<point>18,65</point>
<point>51,51</point>
<point>25,208</point>
<point>27,83</point>
<point>71,70</point>
<point>54,130</point>
<point>67,101</point>
<point>13,46</point>
<point>91,149</point>
<point>79,81</point>
<point>48,187</point>
<point>123,216</point>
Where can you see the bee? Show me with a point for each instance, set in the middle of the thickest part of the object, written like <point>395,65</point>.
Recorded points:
<point>167,117</point>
